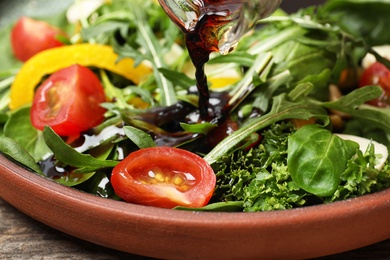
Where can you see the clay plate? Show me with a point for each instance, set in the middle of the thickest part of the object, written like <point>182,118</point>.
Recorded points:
<point>299,233</point>
<point>162,233</point>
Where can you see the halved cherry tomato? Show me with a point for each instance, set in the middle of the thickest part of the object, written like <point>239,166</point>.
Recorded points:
<point>29,36</point>
<point>69,101</point>
<point>164,177</point>
<point>377,74</point>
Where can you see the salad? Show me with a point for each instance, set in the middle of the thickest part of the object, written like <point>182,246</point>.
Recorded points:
<point>105,102</point>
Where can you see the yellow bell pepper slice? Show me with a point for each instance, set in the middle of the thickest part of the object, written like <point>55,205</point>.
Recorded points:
<point>52,60</point>
<point>216,83</point>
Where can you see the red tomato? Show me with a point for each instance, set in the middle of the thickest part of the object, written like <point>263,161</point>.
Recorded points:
<point>164,177</point>
<point>377,74</point>
<point>69,101</point>
<point>28,37</point>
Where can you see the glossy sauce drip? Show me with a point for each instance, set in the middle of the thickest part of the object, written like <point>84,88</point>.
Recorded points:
<point>50,170</point>
<point>204,36</point>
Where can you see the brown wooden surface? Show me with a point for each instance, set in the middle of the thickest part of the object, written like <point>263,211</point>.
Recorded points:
<point>22,237</point>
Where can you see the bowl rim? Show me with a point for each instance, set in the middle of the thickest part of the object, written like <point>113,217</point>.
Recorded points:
<point>122,206</point>
<point>14,179</point>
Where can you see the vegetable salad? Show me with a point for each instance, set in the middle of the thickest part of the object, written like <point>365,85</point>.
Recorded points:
<point>105,102</point>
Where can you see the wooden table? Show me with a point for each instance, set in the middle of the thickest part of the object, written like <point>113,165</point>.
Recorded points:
<point>22,237</point>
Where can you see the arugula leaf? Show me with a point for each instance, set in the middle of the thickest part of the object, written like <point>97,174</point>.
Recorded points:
<point>112,92</point>
<point>203,128</point>
<point>370,116</point>
<point>153,50</point>
<point>139,137</point>
<point>178,78</point>
<point>67,155</point>
<point>228,206</point>
<point>351,102</point>
<point>374,116</point>
<point>103,26</point>
<point>242,58</point>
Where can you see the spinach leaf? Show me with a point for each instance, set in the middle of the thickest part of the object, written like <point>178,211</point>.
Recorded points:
<point>317,158</point>
<point>19,128</point>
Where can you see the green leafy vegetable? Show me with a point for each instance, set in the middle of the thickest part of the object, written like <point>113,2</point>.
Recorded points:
<point>286,65</point>
<point>262,181</point>
<point>18,127</point>
<point>259,178</point>
<point>203,128</point>
<point>67,155</point>
<point>229,206</point>
<point>317,158</point>
<point>139,137</point>
<point>14,150</point>
<point>282,109</point>
<point>366,19</point>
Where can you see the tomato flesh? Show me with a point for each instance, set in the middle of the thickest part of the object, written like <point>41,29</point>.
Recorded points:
<point>377,74</point>
<point>164,177</point>
<point>29,36</point>
<point>182,181</point>
<point>69,101</point>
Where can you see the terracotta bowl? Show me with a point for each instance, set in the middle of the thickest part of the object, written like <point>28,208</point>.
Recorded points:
<point>294,234</point>
<point>168,234</point>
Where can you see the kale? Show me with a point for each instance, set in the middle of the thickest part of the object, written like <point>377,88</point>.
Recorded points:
<point>361,177</point>
<point>259,177</point>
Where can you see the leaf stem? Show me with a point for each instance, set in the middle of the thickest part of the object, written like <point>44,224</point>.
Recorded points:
<point>258,66</point>
<point>290,33</point>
